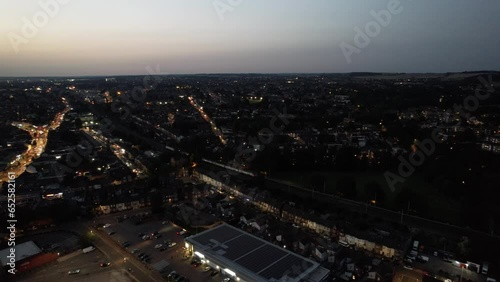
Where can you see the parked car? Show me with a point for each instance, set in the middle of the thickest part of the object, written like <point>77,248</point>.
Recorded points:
<point>181,232</point>
<point>76,271</point>
<point>173,276</point>
<point>214,272</point>
<point>157,246</point>
<point>411,257</point>
<point>172,244</point>
<point>106,225</point>
<point>88,249</point>
<point>141,235</point>
<point>145,237</point>
<point>408,261</point>
<point>421,258</point>
<point>134,251</point>
<point>104,264</point>
<point>207,268</point>
<point>111,232</point>
<point>162,249</point>
<point>126,244</point>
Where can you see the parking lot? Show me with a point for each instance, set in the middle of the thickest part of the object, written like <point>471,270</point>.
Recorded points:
<point>88,266</point>
<point>173,257</point>
<point>57,241</point>
<point>435,264</point>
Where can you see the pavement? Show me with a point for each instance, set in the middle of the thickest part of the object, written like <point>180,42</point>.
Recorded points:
<point>107,250</point>
<point>88,264</point>
<point>116,254</point>
<point>406,275</point>
<point>435,264</point>
<point>128,231</point>
<point>125,266</point>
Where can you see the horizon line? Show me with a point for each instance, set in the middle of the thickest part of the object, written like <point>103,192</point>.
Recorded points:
<point>245,73</point>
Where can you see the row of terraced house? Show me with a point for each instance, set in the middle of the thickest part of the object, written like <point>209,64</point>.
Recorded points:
<point>376,241</point>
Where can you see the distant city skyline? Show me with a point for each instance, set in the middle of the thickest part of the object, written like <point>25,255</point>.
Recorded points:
<point>91,38</point>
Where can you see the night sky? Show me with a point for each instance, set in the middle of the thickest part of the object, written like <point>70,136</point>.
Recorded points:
<point>90,37</point>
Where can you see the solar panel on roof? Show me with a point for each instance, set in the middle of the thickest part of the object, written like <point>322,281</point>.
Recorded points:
<point>263,259</point>
<point>241,246</point>
<point>291,266</point>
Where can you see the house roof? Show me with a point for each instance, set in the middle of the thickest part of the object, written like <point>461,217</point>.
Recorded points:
<point>22,251</point>
<point>251,256</point>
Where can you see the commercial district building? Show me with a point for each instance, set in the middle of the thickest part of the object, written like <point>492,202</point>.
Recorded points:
<point>245,257</point>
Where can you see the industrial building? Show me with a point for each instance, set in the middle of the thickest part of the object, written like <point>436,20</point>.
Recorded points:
<point>244,257</point>
<point>22,251</point>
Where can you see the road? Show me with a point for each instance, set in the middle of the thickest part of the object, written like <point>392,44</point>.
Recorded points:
<point>39,135</point>
<point>89,267</point>
<point>125,157</point>
<point>128,231</point>
<point>214,127</point>
<point>115,254</point>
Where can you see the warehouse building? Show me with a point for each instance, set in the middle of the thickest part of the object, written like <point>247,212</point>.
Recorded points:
<point>245,257</point>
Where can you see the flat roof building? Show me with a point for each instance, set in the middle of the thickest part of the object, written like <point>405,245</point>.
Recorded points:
<point>245,257</point>
<point>22,251</point>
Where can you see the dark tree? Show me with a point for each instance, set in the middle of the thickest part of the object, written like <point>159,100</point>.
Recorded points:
<point>375,192</point>
<point>346,186</point>
<point>78,123</point>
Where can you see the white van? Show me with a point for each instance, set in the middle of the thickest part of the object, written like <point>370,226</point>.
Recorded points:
<point>422,258</point>
<point>88,249</point>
